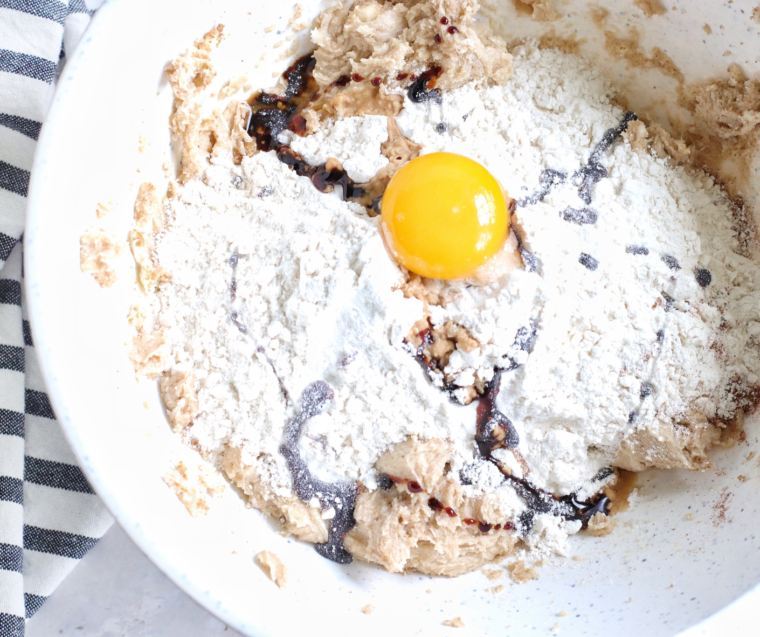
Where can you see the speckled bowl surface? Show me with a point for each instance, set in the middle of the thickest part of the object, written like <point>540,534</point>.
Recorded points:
<point>687,549</point>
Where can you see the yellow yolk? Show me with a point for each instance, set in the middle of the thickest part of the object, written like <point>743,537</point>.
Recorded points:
<point>444,216</point>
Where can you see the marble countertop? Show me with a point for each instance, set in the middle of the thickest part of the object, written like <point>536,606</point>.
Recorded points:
<point>117,592</point>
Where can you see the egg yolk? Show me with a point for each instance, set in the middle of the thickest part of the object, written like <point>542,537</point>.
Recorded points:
<point>444,216</point>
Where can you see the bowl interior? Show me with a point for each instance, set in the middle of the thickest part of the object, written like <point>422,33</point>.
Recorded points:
<point>687,549</point>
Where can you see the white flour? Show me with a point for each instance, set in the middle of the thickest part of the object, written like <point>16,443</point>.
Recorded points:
<point>598,336</point>
<point>315,286</point>
<point>354,141</point>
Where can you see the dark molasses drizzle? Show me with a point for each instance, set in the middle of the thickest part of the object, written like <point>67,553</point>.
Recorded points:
<point>234,258</point>
<point>430,365</point>
<point>495,431</point>
<point>703,276</point>
<point>273,114</point>
<point>584,216</point>
<point>528,258</point>
<point>341,496</point>
<point>423,88</point>
<point>235,320</point>
<point>283,390</point>
<point>524,339</point>
<point>546,181</point>
<point>671,261</point>
<point>593,171</point>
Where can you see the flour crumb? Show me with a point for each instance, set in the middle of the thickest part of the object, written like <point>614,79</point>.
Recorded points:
<point>368,609</point>
<point>148,221</point>
<point>97,252</point>
<point>630,49</point>
<point>142,144</point>
<point>562,613</point>
<point>137,315</point>
<point>177,389</point>
<point>650,7</point>
<point>599,15</point>
<point>721,508</point>
<point>273,567</point>
<point>521,573</point>
<point>556,628</point>
<point>191,486</point>
<point>543,10</point>
<point>211,480</point>
<point>493,574</point>
<point>454,623</point>
<point>233,86</point>
<point>103,208</point>
<point>297,21</point>
<point>495,590</point>
<point>600,524</point>
<point>188,75</point>
<point>150,354</point>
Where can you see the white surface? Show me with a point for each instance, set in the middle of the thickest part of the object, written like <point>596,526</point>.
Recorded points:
<point>117,592</point>
<point>674,571</point>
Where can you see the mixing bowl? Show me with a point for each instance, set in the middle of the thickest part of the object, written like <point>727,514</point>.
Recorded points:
<point>688,547</point>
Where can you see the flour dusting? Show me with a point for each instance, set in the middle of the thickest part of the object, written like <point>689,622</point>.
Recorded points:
<point>630,342</point>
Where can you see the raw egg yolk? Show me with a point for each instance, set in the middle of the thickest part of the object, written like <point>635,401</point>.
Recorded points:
<point>444,216</point>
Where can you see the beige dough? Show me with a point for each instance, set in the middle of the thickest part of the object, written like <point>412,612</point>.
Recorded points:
<point>97,252</point>
<point>630,49</point>
<point>454,623</point>
<point>681,445</point>
<point>542,10</point>
<point>148,221</point>
<point>193,485</point>
<point>272,565</point>
<point>650,7</point>
<point>150,354</point>
<point>397,528</point>
<point>376,39</point>
<point>298,518</point>
<point>180,398</point>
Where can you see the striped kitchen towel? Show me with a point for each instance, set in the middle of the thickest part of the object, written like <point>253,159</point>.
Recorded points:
<point>49,515</point>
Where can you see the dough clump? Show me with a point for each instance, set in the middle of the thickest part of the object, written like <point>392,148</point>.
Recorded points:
<point>374,39</point>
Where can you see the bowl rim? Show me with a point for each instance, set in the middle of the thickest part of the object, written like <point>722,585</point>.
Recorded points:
<point>107,14</point>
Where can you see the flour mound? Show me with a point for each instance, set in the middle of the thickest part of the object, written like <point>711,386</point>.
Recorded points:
<point>632,365</point>
<point>633,343</point>
<point>313,287</point>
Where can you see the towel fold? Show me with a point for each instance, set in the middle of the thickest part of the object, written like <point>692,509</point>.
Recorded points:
<point>49,515</point>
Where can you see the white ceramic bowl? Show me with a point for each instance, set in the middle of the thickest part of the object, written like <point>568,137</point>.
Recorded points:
<point>659,573</point>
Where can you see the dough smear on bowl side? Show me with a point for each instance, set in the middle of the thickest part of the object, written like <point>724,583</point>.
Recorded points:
<point>424,424</point>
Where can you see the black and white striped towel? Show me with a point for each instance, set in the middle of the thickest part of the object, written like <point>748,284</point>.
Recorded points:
<point>49,516</point>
